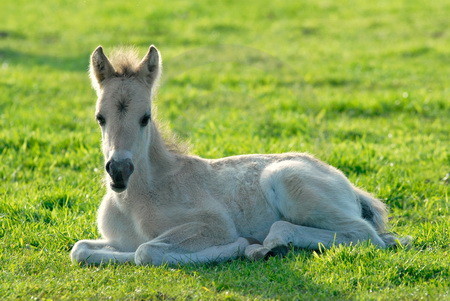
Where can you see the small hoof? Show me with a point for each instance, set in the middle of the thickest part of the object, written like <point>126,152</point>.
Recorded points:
<point>406,241</point>
<point>393,241</point>
<point>280,251</point>
<point>257,252</point>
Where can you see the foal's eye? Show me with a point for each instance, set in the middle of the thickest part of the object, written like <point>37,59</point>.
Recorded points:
<point>145,119</point>
<point>100,119</point>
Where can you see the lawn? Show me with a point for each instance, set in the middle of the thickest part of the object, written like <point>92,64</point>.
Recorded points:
<point>363,85</point>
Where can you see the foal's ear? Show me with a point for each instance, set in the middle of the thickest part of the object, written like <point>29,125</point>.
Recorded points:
<point>100,68</point>
<point>150,67</point>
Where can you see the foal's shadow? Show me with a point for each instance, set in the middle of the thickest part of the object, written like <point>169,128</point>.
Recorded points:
<point>271,278</point>
<point>289,277</point>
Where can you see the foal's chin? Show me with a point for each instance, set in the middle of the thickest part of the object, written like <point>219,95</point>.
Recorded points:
<point>118,187</point>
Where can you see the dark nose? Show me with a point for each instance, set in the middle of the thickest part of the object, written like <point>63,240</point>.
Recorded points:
<point>119,171</point>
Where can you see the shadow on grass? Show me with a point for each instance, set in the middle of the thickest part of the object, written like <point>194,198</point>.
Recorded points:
<point>286,278</point>
<point>22,58</point>
<point>275,278</point>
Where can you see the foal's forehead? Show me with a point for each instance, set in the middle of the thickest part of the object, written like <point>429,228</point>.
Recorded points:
<point>123,94</point>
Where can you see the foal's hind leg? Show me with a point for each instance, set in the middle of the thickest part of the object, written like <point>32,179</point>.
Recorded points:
<point>284,234</point>
<point>317,205</point>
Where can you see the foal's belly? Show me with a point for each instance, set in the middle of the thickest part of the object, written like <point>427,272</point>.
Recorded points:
<point>256,220</point>
<point>237,183</point>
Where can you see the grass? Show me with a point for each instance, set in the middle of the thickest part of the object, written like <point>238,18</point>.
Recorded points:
<point>362,85</point>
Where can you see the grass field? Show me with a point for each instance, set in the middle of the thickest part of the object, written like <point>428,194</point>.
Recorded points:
<point>363,85</point>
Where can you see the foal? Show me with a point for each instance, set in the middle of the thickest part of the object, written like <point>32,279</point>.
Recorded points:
<point>163,206</point>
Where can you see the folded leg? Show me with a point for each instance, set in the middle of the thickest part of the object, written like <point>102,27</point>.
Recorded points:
<point>153,253</point>
<point>282,234</point>
<point>98,252</point>
<point>192,242</point>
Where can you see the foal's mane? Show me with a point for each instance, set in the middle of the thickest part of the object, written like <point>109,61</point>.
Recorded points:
<point>125,61</point>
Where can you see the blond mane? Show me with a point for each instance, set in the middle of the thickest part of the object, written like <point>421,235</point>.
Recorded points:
<point>125,60</point>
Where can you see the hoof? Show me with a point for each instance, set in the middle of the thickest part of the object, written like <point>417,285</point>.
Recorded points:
<point>280,251</point>
<point>393,241</point>
<point>406,241</point>
<point>277,245</point>
<point>257,252</point>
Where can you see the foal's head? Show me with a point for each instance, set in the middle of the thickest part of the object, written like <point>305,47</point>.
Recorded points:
<point>124,88</point>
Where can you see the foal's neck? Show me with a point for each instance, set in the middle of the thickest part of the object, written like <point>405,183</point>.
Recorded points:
<point>161,157</point>
<point>158,163</point>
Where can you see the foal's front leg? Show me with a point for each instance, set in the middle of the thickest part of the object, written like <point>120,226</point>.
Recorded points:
<point>98,252</point>
<point>154,254</point>
<point>191,243</point>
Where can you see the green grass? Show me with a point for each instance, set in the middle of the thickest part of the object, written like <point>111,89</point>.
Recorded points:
<point>362,85</point>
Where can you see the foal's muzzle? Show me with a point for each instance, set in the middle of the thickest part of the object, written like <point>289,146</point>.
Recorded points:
<point>120,172</point>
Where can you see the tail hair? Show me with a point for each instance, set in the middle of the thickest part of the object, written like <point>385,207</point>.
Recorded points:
<point>373,210</point>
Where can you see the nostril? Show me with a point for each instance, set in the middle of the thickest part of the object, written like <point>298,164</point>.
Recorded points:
<point>119,171</point>
<point>108,167</point>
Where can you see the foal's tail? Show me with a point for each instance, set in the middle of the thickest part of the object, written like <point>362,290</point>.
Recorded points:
<point>373,210</point>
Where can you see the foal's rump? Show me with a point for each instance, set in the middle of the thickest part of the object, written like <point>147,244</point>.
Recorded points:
<point>308,192</point>
<point>317,205</point>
